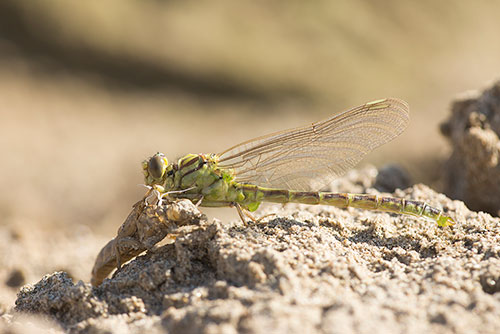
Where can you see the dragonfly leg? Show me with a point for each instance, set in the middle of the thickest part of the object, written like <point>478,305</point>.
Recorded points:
<point>199,201</point>
<point>154,195</point>
<point>249,215</point>
<point>259,220</point>
<point>241,213</point>
<point>149,194</point>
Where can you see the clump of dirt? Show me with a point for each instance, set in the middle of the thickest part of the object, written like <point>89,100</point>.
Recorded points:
<point>473,170</point>
<point>145,226</point>
<point>309,269</point>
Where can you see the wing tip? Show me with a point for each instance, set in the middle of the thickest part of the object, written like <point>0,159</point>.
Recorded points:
<point>401,104</point>
<point>390,101</point>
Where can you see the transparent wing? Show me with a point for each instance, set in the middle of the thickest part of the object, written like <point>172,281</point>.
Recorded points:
<point>306,158</point>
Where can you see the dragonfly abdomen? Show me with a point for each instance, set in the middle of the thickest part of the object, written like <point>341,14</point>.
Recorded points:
<point>360,201</point>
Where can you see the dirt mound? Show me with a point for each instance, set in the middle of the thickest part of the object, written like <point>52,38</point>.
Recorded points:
<point>310,269</point>
<point>473,170</point>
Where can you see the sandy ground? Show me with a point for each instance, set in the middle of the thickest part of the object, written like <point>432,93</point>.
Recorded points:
<point>308,269</point>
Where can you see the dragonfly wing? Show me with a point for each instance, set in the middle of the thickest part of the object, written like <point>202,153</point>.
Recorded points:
<point>309,157</point>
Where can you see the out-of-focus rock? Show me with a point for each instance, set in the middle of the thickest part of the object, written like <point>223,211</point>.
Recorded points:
<point>473,170</point>
<point>392,177</point>
<point>16,279</point>
<point>386,179</point>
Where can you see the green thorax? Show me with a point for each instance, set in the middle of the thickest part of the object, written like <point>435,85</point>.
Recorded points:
<point>197,176</point>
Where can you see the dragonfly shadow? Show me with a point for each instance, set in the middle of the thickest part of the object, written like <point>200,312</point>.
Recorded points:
<point>406,242</point>
<point>279,222</point>
<point>283,222</point>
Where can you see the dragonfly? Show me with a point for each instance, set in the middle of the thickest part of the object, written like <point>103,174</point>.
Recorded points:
<point>291,165</point>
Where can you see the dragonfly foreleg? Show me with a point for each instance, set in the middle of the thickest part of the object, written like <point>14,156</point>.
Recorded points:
<point>154,196</point>
<point>199,201</point>
<point>149,194</point>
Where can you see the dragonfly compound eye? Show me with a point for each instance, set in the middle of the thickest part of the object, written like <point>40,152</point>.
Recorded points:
<point>157,165</point>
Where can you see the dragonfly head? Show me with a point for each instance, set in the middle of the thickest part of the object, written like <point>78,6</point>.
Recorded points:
<point>155,169</point>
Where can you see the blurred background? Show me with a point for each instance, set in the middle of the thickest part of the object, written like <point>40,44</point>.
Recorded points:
<point>89,89</point>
